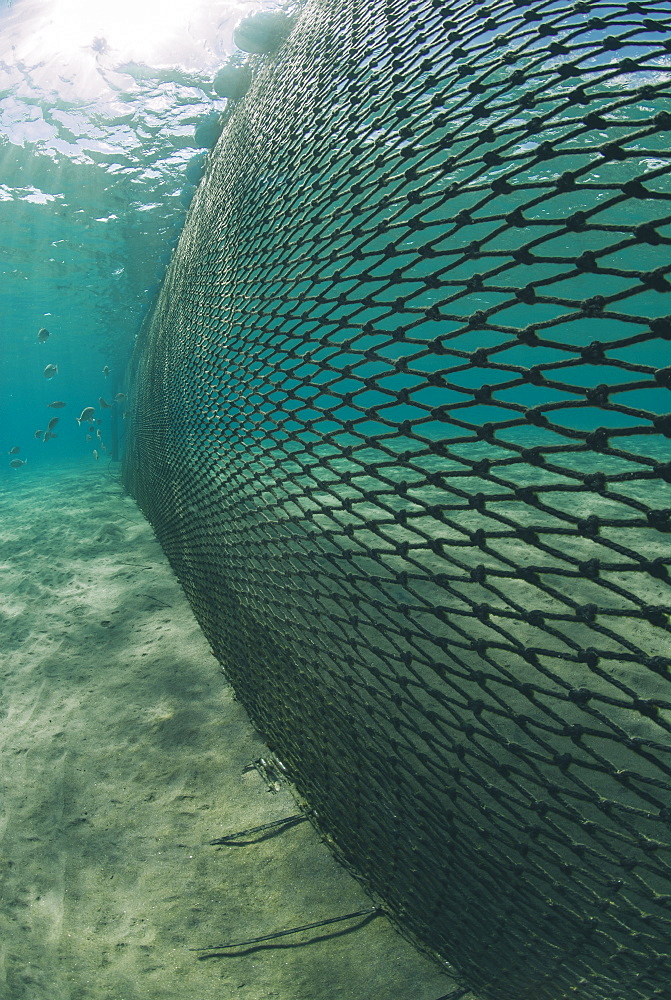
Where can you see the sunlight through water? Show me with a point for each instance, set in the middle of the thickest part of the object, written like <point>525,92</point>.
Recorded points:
<point>99,107</point>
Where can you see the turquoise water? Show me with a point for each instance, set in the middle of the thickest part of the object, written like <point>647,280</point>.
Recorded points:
<point>98,116</point>
<point>97,171</point>
<point>99,104</point>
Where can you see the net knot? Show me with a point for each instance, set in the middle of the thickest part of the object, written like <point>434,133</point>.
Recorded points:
<point>593,306</point>
<point>587,613</point>
<point>662,424</point>
<point>580,696</point>
<point>598,394</point>
<point>590,569</point>
<point>659,519</point>
<point>661,325</point>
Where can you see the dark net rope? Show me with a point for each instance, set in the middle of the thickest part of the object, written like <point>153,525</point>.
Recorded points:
<point>401,421</point>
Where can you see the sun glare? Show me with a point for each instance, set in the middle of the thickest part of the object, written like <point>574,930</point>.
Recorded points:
<point>75,47</point>
<point>97,55</point>
<point>131,29</point>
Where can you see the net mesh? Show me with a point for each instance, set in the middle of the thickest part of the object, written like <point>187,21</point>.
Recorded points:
<point>401,422</point>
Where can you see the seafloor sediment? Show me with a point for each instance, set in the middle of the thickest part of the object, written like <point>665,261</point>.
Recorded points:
<point>122,755</point>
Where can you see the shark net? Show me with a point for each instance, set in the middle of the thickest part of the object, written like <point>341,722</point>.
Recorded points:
<point>401,419</point>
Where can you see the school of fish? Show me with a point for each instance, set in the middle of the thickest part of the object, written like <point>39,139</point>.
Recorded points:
<point>86,417</point>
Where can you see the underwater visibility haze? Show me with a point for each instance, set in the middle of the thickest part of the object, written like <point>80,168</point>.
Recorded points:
<point>99,106</point>
<point>123,753</point>
<point>388,373</point>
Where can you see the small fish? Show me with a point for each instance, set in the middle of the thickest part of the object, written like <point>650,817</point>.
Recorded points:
<point>86,414</point>
<point>88,437</point>
<point>50,371</point>
<point>49,435</point>
<point>16,463</point>
<point>95,454</point>
<point>14,451</point>
<point>99,435</point>
<point>106,371</point>
<point>38,434</point>
<point>98,421</point>
<point>102,447</point>
<point>43,335</point>
<point>57,404</point>
<point>52,423</point>
<point>119,396</point>
<point>103,404</point>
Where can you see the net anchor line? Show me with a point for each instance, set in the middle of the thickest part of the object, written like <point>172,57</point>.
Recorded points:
<point>370,912</point>
<point>270,829</point>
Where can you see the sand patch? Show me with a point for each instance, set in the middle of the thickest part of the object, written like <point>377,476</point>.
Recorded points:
<point>122,755</point>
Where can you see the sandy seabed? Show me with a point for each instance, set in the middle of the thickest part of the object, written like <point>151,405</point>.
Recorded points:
<point>122,755</point>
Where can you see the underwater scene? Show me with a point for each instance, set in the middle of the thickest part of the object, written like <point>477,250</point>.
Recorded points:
<point>123,751</point>
<point>335,500</point>
<point>97,132</point>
